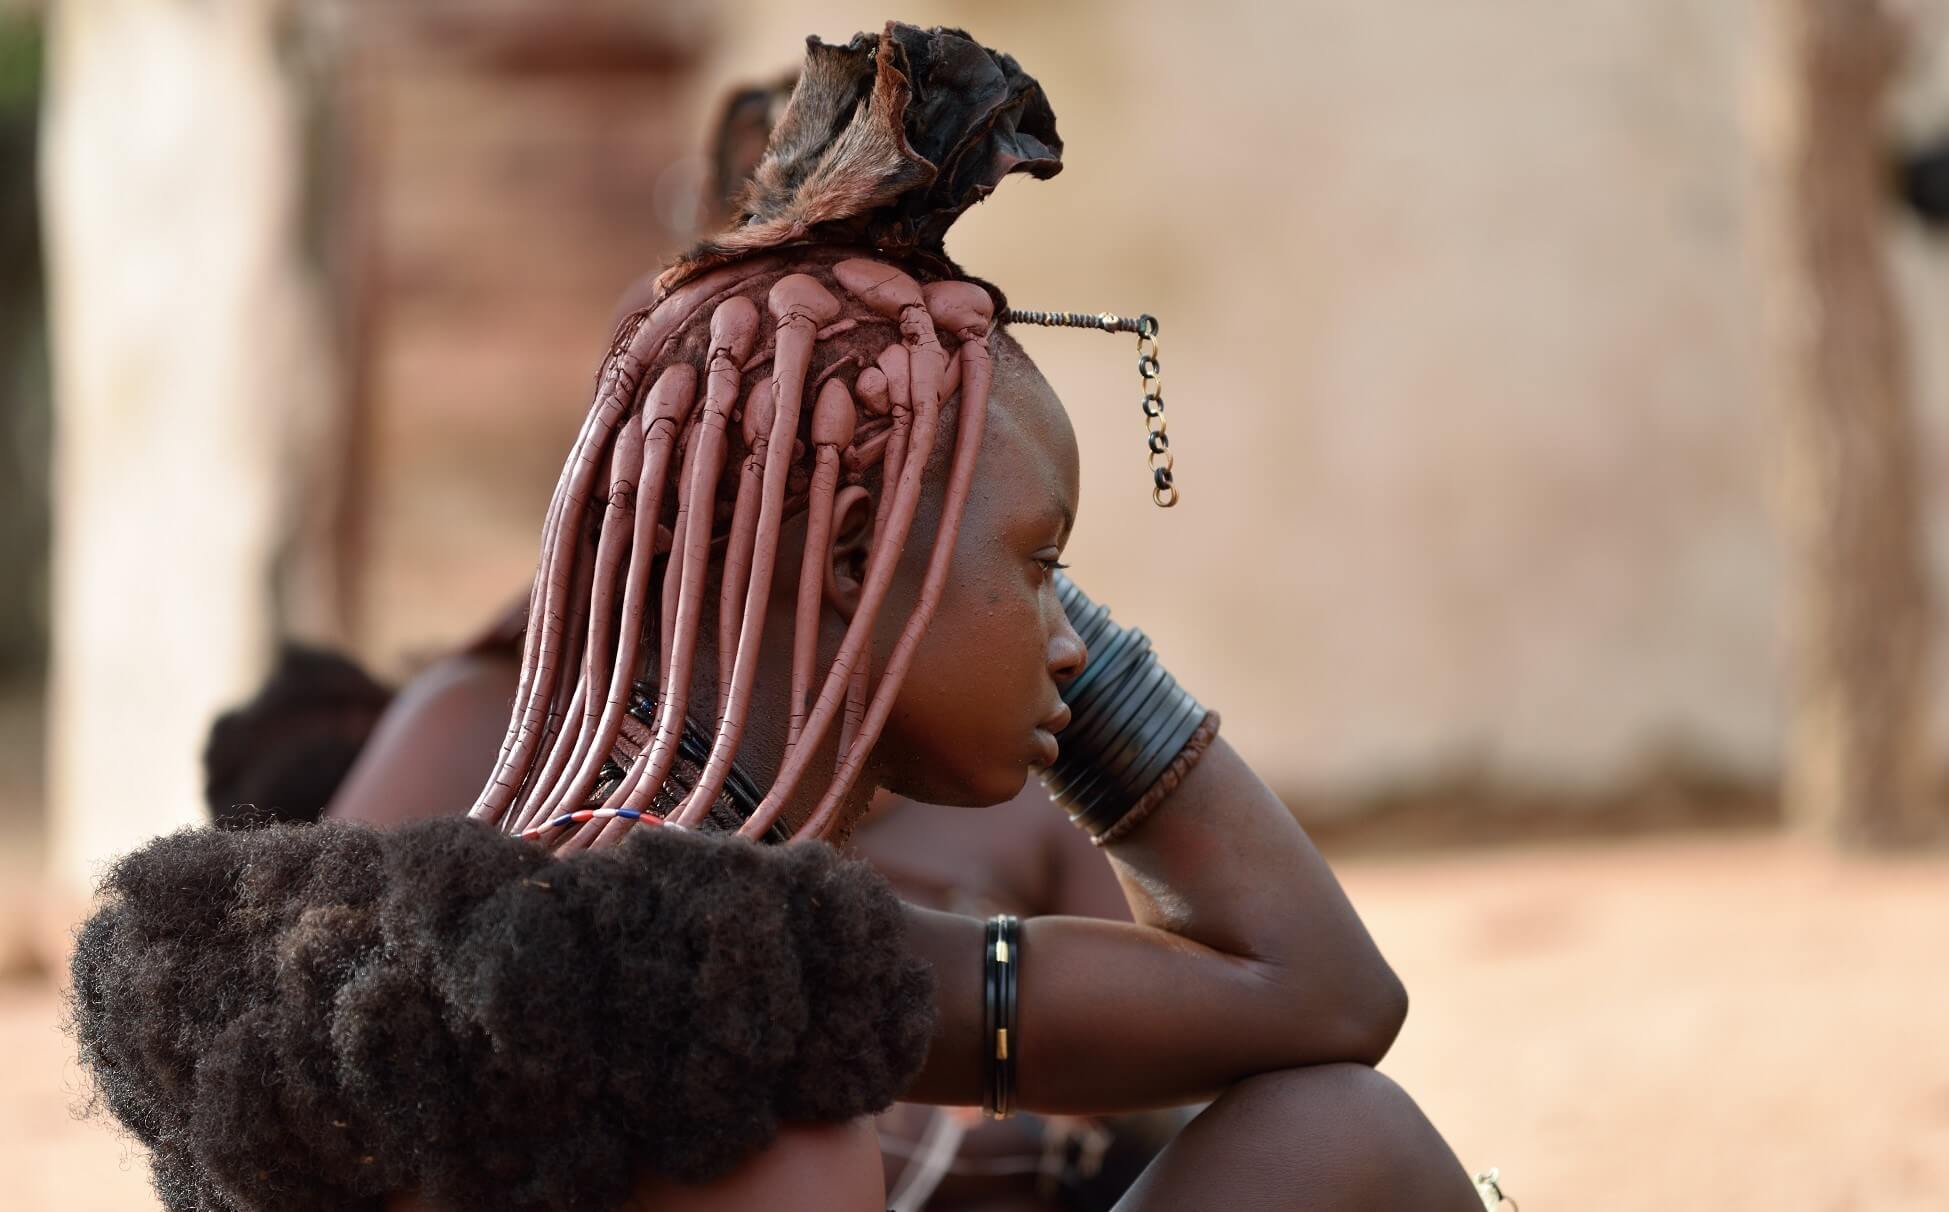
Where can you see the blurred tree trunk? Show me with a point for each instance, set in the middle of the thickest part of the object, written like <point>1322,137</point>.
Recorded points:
<point>1858,765</point>
<point>192,397</point>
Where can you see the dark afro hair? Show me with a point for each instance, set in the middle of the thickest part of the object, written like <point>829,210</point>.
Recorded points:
<point>1923,179</point>
<point>280,756</point>
<point>313,1017</point>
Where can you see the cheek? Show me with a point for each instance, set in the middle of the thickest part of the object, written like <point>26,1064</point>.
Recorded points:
<point>997,639</point>
<point>978,678</point>
<point>989,613</point>
<point>979,669</point>
<point>960,729</point>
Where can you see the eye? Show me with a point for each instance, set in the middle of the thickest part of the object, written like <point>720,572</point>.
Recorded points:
<point>1050,565</point>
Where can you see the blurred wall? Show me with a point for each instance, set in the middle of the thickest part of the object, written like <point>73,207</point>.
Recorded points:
<point>1459,353</point>
<point>508,168</point>
<point>192,378</point>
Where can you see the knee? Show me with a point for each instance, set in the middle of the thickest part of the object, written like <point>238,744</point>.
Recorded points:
<point>1361,1096</point>
<point>1367,1139</point>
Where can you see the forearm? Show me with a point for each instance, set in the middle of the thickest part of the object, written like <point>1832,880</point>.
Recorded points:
<point>1203,848</point>
<point>1116,1016</point>
<point>1244,956</point>
<point>1223,864</point>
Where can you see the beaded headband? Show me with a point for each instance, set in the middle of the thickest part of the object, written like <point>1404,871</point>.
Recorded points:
<point>1163,490</point>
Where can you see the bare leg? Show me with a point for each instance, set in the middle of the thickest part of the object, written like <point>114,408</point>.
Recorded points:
<point>1332,1138</point>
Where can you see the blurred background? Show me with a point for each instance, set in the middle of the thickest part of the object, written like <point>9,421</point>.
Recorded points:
<point>1560,395</point>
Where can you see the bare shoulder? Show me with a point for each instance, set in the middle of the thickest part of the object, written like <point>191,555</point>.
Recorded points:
<point>461,680</point>
<point>434,746</point>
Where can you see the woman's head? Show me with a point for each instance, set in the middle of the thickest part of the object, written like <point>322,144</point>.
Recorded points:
<point>840,418</point>
<point>764,511</point>
<point>980,705</point>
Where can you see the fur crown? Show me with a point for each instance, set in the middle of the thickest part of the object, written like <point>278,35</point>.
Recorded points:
<point>883,143</point>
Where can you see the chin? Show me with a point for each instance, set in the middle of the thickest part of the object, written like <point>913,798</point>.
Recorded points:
<point>968,788</point>
<point>1005,788</point>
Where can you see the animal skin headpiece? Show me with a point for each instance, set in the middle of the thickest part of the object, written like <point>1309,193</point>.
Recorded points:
<point>817,342</point>
<point>882,144</point>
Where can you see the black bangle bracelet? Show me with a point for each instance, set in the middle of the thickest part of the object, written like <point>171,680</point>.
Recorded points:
<point>990,1012</point>
<point>1173,734</point>
<point>1112,655</point>
<point>1155,743</point>
<point>1116,751</point>
<point>1130,719</point>
<point>1001,964</point>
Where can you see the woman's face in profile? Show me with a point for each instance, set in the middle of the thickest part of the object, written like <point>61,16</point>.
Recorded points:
<point>981,705</point>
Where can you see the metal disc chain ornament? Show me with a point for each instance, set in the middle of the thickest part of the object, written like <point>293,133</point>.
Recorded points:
<point>1157,439</point>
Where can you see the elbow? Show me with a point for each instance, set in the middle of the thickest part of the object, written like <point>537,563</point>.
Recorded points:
<point>1376,1015</point>
<point>1351,1020</point>
<point>1368,1009</point>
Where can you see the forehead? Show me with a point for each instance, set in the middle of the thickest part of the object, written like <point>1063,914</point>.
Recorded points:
<point>1029,449</point>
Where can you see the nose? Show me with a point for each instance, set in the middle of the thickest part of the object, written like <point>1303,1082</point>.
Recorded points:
<point>1067,655</point>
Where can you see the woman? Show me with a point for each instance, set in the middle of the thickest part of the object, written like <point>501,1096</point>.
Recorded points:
<point>821,431</point>
<point>283,755</point>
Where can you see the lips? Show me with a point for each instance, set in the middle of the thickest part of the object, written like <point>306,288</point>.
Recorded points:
<point>1057,722</point>
<point>1045,736</point>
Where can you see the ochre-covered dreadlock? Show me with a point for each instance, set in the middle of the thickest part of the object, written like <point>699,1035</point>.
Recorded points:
<point>808,354</point>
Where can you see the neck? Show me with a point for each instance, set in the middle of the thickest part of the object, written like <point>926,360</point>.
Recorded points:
<point>761,747</point>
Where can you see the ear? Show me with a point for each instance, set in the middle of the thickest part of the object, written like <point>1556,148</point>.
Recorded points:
<point>852,539</point>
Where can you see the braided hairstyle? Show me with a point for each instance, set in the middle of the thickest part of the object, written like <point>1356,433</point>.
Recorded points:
<point>819,341</point>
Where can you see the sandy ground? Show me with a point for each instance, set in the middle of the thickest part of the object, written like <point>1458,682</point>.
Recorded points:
<point>1723,1024</point>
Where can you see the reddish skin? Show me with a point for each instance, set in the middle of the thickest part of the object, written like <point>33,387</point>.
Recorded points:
<point>964,310</point>
<point>1245,974</point>
<point>981,704</point>
<point>433,747</point>
<point>892,293</point>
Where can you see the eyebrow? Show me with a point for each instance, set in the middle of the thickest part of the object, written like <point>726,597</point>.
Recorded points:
<point>1067,515</point>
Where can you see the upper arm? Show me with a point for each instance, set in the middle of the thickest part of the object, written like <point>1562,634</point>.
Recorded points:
<point>434,747</point>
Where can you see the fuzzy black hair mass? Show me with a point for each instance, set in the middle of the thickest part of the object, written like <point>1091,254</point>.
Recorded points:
<point>280,756</point>
<point>314,1017</point>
